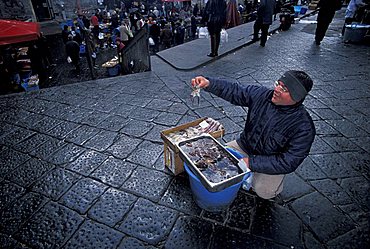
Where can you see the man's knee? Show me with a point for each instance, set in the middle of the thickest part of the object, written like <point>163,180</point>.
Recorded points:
<point>267,188</point>
<point>265,193</point>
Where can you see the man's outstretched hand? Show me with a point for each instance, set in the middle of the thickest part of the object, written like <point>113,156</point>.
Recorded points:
<point>200,82</point>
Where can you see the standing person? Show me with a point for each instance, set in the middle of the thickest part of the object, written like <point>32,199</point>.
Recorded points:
<point>193,26</point>
<point>264,20</point>
<point>80,23</point>
<point>233,15</point>
<point>73,51</point>
<point>179,33</point>
<point>155,33</point>
<point>86,22</point>
<point>325,16</point>
<point>45,53</point>
<point>120,47</point>
<point>279,131</point>
<point>195,10</point>
<point>65,33</point>
<point>11,67</point>
<point>76,36</point>
<point>156,12</point>
<point>90,46</point>
<point>95,23</point>
<point>215,17</point>
<point>125,31</point>
<point>114,20</point>
<point>166,36</point>
<point>37,64</point>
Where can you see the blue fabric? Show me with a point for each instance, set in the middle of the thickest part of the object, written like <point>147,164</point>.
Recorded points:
<point>276,138</point>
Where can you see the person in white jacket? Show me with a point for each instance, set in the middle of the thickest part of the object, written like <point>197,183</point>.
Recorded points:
<point>125,31</point>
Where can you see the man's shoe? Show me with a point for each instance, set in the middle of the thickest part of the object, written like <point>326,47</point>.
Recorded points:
<point>262,45</point>
<point>211,55</point>
<point>317,42</point>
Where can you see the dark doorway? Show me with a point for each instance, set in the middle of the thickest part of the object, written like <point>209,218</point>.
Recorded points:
<point>43,10</point>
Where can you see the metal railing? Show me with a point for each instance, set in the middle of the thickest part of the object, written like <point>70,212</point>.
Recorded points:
<point>136,55</point>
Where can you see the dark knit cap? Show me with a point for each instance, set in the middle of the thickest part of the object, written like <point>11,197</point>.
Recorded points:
<point>298,87</point>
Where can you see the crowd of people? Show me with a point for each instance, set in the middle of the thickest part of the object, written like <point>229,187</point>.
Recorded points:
<point>169,24</point>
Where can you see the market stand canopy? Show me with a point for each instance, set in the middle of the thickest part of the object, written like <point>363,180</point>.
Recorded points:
<point>12,31</point>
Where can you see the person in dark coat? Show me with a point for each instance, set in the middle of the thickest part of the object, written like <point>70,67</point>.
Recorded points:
<point>325,16</point>
<point>193,26</point>
<point>264,20</point>
<point>65,33</point>
<point>155,33</point>
<point>76,36</point>
<point>11,67</point>
<point>215,17</point>
<point>179,33</point>
<point>73,51</point>
<point>45,53</point>
<point>195,10</point>
<point>37,63</point>
<point>278,132</point>
<point>86,21</point>
<point>166,36</point>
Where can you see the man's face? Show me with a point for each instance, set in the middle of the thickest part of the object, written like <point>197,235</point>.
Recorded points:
<point>281,95</point>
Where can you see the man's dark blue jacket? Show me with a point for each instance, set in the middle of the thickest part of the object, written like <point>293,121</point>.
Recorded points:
<point>276,138</point>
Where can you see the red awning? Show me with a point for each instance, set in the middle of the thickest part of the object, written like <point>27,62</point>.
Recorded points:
<point>12,31</point>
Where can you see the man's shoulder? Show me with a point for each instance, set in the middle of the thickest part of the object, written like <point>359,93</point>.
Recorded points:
<point>306,118</point>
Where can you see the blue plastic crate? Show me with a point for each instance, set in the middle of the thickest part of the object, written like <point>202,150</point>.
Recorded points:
<point>303,10</point>
<point>113,71</point>
<point>214,201</point>
<point>297,8</point>
<point>29,88</point>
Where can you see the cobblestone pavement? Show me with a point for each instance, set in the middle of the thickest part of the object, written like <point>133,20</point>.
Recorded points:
<point>82,165</point>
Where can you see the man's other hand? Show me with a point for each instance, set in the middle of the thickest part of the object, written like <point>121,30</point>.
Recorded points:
<point>244,164</point>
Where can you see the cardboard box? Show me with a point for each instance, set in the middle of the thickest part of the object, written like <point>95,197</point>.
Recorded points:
<point>172,158</point>
<point>173,161</point>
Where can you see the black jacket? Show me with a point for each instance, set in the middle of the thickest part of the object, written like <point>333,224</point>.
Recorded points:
<point>265,11</point>
<point>215,15</point>
<point>276,138</point>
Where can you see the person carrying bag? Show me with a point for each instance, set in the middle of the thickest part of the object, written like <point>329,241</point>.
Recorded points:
<point>215,17</point>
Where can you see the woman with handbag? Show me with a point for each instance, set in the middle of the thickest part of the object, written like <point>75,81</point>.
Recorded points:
<point>215,16</point>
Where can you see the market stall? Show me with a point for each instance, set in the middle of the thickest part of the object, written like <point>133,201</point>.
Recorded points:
<point>12,31</point>
<point>13,35</point>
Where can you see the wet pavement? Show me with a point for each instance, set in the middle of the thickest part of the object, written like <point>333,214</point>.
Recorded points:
<point>82,165</point>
